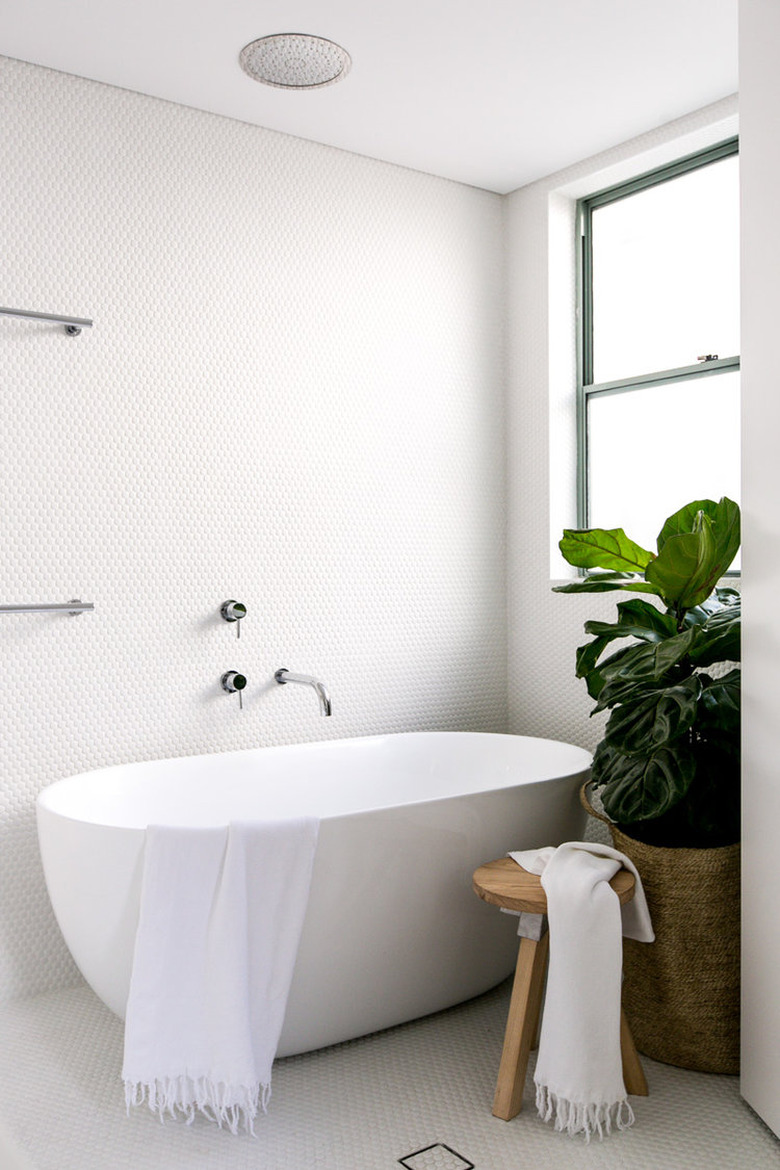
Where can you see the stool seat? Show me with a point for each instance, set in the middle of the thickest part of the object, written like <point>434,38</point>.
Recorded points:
<point>505,884</point>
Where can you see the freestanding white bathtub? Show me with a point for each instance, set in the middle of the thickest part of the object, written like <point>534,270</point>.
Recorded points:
<point>393,930</point>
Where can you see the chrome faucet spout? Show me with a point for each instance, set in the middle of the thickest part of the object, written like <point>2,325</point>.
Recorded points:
<point>283,675</point>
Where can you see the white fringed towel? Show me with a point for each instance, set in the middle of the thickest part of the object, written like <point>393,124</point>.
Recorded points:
<point>579,1074</point>
<point>221,917</point>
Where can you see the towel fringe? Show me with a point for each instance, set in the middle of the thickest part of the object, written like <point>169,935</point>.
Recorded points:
<point>574,1117</point>
<point>231,1106</point>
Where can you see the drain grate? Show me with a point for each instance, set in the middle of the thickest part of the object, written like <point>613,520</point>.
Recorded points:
<point>436,1157</point>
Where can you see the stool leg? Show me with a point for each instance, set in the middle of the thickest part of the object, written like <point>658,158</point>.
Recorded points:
<point>538,1027</point>
<point>520,1026</point>
<point>633,1073</point>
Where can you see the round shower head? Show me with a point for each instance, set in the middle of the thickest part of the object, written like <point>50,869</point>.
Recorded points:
<point>295,61</point>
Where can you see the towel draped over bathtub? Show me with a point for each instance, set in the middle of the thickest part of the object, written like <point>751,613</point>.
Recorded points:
<point>579,1074</point>
<point>221,917</point>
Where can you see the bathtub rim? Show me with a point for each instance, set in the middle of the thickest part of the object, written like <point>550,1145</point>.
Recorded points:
<point>46,796</point>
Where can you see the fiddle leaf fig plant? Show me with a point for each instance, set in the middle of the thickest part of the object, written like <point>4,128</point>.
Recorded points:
<point>668,765</point>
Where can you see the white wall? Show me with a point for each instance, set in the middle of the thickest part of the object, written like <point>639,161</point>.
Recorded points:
<point>292,395</point>
<point>760,168</point>
<point>544,628</point>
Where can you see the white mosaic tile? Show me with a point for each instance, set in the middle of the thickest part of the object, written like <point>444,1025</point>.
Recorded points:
<point>291,396</point>
<point>363,1105</point>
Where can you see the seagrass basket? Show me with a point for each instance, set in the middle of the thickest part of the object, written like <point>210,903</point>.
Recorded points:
<point>681,992</point>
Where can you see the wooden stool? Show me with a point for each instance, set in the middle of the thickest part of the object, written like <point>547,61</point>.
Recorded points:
<point>504,883</point>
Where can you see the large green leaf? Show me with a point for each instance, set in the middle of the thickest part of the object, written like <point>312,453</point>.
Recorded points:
<point>588,655</point>
<point>686,569</point>
<point>603,548</point>
<point>637,619</point>
<point>690,563</point>
<point>639,788</point>
<point>724,516</point>
<point>644,613</point>
<point>700,614</point>
<point>726,595</point>
<point>642,727</point>
<point>720,705</point>
<point>685,520</point>
<point>719,639</point>
<point>606,583</point>
<point>641,668</point>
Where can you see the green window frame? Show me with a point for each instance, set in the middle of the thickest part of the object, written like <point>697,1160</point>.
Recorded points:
<point>587,389</point>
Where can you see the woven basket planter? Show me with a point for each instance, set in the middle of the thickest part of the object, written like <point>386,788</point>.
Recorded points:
<point>681,993</point>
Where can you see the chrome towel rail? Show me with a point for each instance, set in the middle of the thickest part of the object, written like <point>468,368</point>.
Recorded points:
<point>73,325</point>
<point>74,607</point>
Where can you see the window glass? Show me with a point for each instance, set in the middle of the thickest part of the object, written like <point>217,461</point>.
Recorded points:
<point>653,450</point>
<point>666,274</point>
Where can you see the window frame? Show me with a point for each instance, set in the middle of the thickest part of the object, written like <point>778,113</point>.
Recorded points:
<point>586,387</point>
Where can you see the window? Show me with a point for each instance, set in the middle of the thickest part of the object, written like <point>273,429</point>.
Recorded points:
<point>658,353</point>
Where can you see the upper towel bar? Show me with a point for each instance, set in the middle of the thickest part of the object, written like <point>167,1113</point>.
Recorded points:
<point>73,325</point>
<point>74,607</point>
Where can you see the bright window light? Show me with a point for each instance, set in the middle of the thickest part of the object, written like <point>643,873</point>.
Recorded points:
<point>654,450</point>
<point>659,353</point>
<point>666,274</point>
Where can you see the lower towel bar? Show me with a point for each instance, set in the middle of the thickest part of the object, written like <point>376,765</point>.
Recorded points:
<point>74,607</point>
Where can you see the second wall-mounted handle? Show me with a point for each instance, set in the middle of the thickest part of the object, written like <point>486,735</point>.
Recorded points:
<point>233,611</point>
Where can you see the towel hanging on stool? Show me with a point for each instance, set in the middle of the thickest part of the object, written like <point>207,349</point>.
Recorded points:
<point>579,1077</point>
<point>221,917</point>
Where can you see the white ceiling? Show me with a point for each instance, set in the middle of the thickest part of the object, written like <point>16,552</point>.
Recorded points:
<point>495,93</point>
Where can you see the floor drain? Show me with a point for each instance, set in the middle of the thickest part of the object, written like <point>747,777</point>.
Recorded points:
<point>437,1157</point>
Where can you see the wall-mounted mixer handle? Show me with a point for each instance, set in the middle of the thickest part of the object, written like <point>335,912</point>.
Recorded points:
<point>231,682</point>
<point>233,611</point>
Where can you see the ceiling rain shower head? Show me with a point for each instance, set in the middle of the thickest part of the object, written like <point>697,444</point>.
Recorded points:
<point>295,61</point>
